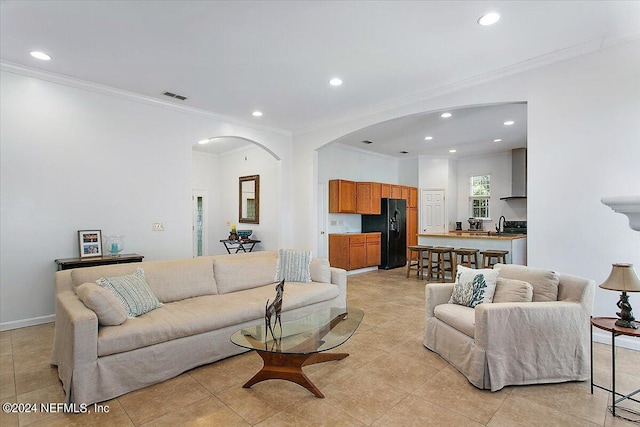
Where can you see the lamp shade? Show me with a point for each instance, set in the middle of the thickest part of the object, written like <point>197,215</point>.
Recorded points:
<point>622,278</point>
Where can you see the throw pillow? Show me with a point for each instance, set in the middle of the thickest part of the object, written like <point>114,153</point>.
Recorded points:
<point>510,290</point>
<point>108,308</point>
<point>133,291</point>
<point>293,266</point>
<point>544,282</point>
<point>473,287</point>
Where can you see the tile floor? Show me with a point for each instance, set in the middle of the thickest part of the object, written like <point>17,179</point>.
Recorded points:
<point>389,379</point>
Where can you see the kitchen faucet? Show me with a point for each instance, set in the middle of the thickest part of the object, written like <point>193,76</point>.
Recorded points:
<point>498,228</point>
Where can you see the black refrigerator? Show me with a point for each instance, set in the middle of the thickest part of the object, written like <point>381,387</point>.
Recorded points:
<point>392,224</point>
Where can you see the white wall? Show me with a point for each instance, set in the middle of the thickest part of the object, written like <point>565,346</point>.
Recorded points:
<point>583,133</point>
<point>74,158</point>
<point>440,173</point>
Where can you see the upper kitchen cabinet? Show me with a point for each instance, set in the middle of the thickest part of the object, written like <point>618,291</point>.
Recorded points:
<point>412,201</point>
<point>396,192</point>
<point>342,196</point>
<point>368,198</point>
<point>385,191</point>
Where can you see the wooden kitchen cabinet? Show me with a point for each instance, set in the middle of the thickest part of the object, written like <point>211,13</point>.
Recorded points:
<point>412,228</point>
<point>404,194</point>
<point>412,202</point>
<point>374,249</point>
<point>385,191</point>
<point>342,196</point>
<point>368,198</point>
<point>396,192</point>
<point>354,251</point>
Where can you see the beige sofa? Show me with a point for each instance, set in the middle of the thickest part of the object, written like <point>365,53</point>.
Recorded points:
<point>204,300</point>
<point>510,343</point>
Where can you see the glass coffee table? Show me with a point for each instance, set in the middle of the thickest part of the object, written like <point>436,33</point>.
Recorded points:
<point>300,343</point>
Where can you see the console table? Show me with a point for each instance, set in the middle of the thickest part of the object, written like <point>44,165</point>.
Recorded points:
<point>69,263</point>
<point>239,245</point>
<point>608,324</point>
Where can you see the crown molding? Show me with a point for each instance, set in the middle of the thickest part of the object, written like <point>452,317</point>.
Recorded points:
<point>131,96</point>
<point>520,67</point>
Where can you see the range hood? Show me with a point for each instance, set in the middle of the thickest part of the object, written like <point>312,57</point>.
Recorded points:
<point>518,175</point>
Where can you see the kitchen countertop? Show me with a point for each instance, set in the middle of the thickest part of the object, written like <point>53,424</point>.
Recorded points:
<point>490,235</point>
<point>351,233</point>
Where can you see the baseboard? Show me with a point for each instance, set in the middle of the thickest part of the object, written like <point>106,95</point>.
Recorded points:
<point>7,326</point>
<point>361,270</point>
<point>621,340</point>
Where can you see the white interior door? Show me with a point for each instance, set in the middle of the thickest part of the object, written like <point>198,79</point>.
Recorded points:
<point>432,219</point>
<point>322,223</point>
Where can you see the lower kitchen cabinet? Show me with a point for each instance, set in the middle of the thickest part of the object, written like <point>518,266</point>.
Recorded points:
<point>352,251</point>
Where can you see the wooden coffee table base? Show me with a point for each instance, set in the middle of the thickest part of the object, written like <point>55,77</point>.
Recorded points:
<point>283,366</point>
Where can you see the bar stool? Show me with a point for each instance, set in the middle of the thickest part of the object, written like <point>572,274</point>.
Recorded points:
<point>419,263</point>
<point>471,258</point>
<point>438,264</point>
<point>488,255</point>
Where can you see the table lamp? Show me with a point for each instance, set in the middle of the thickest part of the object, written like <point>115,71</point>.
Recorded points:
<point>623,278</point>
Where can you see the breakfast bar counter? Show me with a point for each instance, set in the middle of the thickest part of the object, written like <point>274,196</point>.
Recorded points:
<point>516,244</point>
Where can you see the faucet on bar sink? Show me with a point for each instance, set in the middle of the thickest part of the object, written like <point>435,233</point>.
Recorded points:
<point>500,229</point>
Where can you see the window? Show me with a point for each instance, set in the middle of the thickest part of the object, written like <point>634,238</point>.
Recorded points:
<point>479,194</point>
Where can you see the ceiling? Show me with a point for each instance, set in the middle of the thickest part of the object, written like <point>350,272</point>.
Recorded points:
<point>232,58</point>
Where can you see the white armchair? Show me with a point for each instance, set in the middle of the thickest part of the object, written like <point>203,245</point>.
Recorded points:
<point>513,343</point>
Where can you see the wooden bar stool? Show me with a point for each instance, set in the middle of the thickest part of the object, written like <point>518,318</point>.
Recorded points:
<point>420,251</point>
<point>439,263</point>
<point>471,258</point>
<point>488,255</point>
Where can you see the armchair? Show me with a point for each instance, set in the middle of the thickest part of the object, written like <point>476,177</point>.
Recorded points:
<point>514,343</point>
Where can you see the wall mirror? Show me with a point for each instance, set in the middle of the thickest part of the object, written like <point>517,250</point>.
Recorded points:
<point>249,199</point>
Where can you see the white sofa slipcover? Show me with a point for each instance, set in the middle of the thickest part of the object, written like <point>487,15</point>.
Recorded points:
<point>205,300</point>
<point>513,343</point>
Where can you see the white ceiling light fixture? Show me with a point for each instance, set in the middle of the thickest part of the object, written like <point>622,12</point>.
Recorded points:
<point>489,19</point>
<point>446,115</point>
<point>335,81</point>
<point>497,140</point>
<point>452,151</point>
<point>257,114</point>
<point>428,138</point>
<point>40,55</point>
<point>204,141</point>
<point>508,122</point>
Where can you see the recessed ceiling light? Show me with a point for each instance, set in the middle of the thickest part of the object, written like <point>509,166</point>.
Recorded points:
<point>335,82</point>
<point>497,140</point>
<point>257,114</point>
<point>366,141</point>
<point>489,18</point>
<point>40,55</point>
<point>509,122</point>
<point>446,115</point>
<point>404,152</point>
<point>204,141</point>
<point>452,151</point>
<point>428,138</point>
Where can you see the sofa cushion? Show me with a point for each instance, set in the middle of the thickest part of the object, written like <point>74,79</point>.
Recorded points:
<point>133,291</point>
<point>236,272</point>
<point>206,313</point>
<point>293,266</point>
<point>461,317</point>
<point>320,270</point>
<point>473,286</point>
<point>108,308</point>
<point>544,282</point>
<point>510,290</point>
<point>169,280</point>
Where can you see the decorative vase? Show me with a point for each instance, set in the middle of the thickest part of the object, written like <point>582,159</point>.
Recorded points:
<point>233,236</point>
<point>114,244</point>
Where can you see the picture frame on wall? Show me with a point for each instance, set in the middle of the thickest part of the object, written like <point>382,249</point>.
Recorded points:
<point>90,242</point>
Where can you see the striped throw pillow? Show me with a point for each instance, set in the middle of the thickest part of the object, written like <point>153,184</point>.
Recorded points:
<point>293,266</point>
<point>133,291</point>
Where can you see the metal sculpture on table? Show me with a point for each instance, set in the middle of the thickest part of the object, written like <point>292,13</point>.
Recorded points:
<point>273,310</point>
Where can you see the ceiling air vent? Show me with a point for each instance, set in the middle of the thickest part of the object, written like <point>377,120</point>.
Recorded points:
<point>367,142</point>
<point>173,95</point>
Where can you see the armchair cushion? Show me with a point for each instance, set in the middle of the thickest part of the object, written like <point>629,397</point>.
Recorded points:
<point>511,290</point>
<point>544,282</point>
<point>457,316</point>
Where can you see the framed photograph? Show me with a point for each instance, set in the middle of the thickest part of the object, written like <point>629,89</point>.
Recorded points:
<point>90,243</point>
